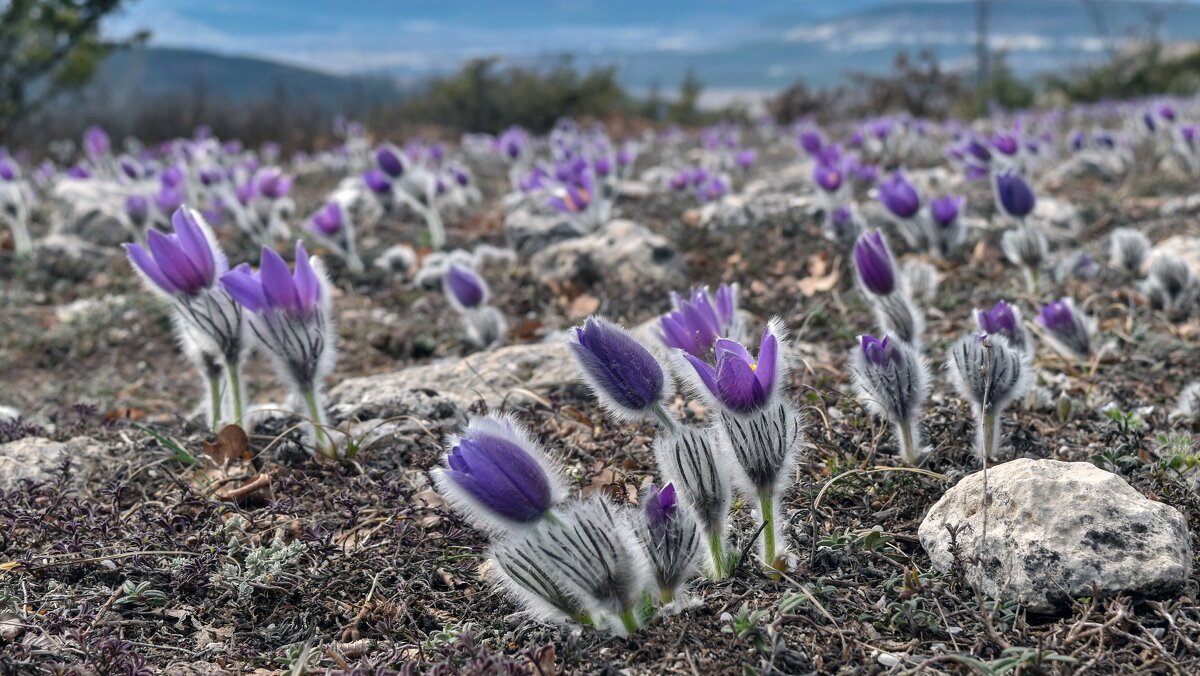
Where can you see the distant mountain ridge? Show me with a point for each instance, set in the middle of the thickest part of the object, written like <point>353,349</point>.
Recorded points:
<point>1036,35</point>
<point>151,73</point>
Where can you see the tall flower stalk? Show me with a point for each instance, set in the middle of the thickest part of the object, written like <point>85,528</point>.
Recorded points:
<point>184,268</point>
<point>758,426</point>
<point>291,319</point>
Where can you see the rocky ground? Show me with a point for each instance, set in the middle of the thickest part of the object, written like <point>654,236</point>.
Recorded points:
<point>125,551</point>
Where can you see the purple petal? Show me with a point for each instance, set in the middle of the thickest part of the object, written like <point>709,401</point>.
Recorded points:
<point>768,350</point>
<point>724,345</point>
<point>194,243</point>
<point>141,258</point>
<point>308,285</point>
<point>279,289</point>
<point>738,388</point>
<point>243,286</point>
<point>174,263</point>
<point>708,375</point>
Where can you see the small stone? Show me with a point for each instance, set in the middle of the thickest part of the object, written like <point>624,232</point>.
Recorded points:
<point>1057,531</point>
<point>38,459</point>
<point>442,391</point>
<point>622,254</point>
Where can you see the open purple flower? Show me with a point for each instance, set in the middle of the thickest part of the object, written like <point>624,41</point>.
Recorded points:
<point>828,177</point>
<point>572,200</point>
<point>625,376</point>
<point>273,183</point>
<point>746,158</point>
<point>328,220</point>
<point>275,288</point>
<point>172,176</point>
<point>696,323</point>
<point>498,476</point>
<point>1014,195</point>
<point>291,322</point>
<point>180,264</point>
<point>739,382</point>
<point>899,196</point>
<point>873,260</point>
<point>184,267</point>
<point>1007,144</point>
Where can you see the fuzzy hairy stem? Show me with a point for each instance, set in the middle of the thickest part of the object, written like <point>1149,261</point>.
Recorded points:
<point>665,418</point>
<point>235,389</point>
<point>910,449</point>
<point>989,435</point>
<point>323,443</point>
<point>629,621</point>
<point>720,559</point>
<point>766,503</point>
<point>214,402</point>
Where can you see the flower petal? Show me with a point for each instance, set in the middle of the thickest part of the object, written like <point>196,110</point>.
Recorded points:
<point>141,258</point>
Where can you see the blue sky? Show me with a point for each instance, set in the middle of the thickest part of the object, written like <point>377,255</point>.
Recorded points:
<point>355,35</point>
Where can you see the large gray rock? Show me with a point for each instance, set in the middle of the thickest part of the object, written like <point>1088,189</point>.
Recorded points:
<point>513,375</point>
<point>38,459</point>
<point>1055,530</point>
<point>763,209</point>
<point>530,231</point>
<point>622,254</point>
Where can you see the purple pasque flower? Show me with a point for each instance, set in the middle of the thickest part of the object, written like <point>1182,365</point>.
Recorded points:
<point>746,158</point>
<point>275,289</point>
<point>1003,320</point>
<point>1014,195</point>
<point>498,476</point>
<point>79,172</point>
<point>95,141</point>
<point>899,196</point>
<point>978,150</point>
<point>879,352</point>
<point>738,382</point>
<point>714,189</point>
<point>945,210</point>
<point>811,142</point>
<point>137,208</point>
<point>695,324</point>
<point>660,505</point>
<point>391,160</point>
<point>272,183</point>
<point>1007,144</point>
<point>625,376</point>
<point>183,263</point>
<point>865,174</point>
<point>602,165</point>
<point>875,265</point>
<point>828,177</point>
<point>377,182</point>
<point>172,177</point>
<point>464,287</point>
<point>328,220</point>
<point>168,199</point>
<point>1067,330</point>
<point>8,169</point>
<point>573,199</point>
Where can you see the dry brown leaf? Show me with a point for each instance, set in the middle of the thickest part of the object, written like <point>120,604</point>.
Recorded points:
<point>583,306</point>
<point>231,443</point>
<point>823,275</point>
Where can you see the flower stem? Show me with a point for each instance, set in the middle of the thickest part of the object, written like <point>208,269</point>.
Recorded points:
<point>235,388</point>
<point>719,557</point>
<point>988,436</point>
<point>324,444</point>
<point>214,401</point>
<point>667,595</point>
<point>1031,280</point>
<point>766,502</point>
<point>665,418</point>
<point>908,444</point>
<point>629,621</point>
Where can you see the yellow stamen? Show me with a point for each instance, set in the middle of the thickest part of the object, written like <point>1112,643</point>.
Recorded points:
<point>754,367</point>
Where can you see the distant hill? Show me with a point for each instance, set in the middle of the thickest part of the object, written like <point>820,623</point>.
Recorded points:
<point>149,73</point>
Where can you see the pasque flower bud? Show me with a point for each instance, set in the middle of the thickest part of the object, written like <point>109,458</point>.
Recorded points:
<point>670,538</point>
<point>1128,251</point>
<point>1066,328</point>
<point>893,383</point>
<point>989,373</point>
